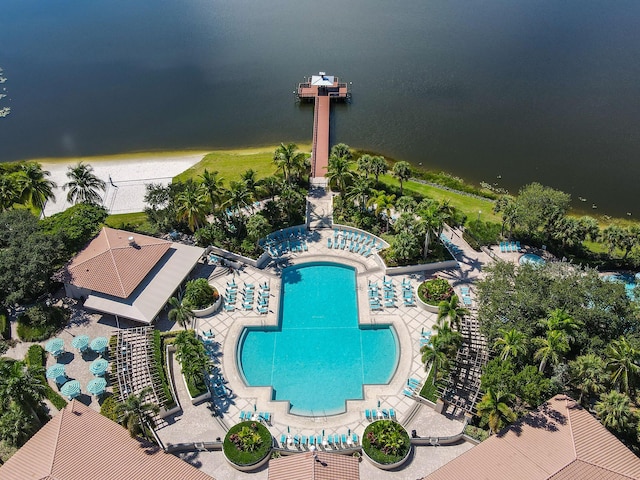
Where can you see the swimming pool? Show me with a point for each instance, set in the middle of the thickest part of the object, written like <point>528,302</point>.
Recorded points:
<point>319,356</point>
<point>532,259</point>
<point>630,282</point>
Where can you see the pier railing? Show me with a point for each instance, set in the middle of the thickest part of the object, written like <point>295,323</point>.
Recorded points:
<point>314,145</point>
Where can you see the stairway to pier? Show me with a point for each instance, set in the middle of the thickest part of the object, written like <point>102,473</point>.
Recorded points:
<point>319,208</point>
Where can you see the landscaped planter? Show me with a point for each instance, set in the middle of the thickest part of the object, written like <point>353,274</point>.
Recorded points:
<point>427,307</point>
<point>380,434</point>
<point>435,290</point>
<point>199,398</point>
<point>205,312</point>
<point>247,433</point>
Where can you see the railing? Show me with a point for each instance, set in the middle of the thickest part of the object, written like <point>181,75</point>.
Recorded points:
<point>315,138</point>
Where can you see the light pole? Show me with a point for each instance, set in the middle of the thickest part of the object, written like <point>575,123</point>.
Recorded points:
<point>479,212</point>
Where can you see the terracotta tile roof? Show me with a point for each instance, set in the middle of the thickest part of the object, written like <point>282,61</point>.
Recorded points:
<point>558,441</point>
<point>79,443</point>
<point>112,264</point>
<point>303,466</point>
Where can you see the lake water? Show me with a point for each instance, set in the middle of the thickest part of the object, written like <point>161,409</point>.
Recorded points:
<point>544,90</point>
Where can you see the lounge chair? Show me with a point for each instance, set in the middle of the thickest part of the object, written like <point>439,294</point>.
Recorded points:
<point>390,303</point>
<point>408,302</point>
<point>263,310</point>
<point>343,438</point>
<point>392,413</point>
<point>304,440</point>
<point>414,381</point>
<point>283,440</point>
<point>319,440</point>
<point>354,438</point>
<point>367,414</point>
<point>229,308</point>
<point>408,393</point>
<point>385,413</point>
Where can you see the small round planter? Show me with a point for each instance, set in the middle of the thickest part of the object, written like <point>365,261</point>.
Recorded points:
<point>426,306</point>
<point>444,292</point>
<point>259,462</point>
<point>205,312</point>
<point>387,466</point>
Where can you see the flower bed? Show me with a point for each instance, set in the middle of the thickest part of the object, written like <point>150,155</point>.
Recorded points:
<point>199,294</point>
<point>434,291</point>
<point>247,444</point>
<point>386,444</point>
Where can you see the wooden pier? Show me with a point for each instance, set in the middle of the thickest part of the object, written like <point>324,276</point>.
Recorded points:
<point>321,89</point>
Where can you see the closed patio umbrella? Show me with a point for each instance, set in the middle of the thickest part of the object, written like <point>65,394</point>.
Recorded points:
<point>55,371</point>
<point>55,347</point>
<point>81,342</point>
<point>71,389</point>
<point>98,366</point>
<point>96,386</point>
<point>99,344</point>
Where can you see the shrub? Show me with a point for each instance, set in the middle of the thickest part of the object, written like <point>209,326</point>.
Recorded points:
<point>247,443</point>
<point>435,291</point>
<point>5,325</point>
<point>158,356</point>
<point>109,408</point>
<point>40,322</point>
<point>386,441</point>
<point>479,234</point>
<point>36,357</point>
<point>199,294</point>
<point>479,434</point>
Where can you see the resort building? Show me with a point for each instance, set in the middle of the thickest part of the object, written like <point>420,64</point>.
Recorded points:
<point>79,443</point>
<point>560,440</point>
<point>128,275</point>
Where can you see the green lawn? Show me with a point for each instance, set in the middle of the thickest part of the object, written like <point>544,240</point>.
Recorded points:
<point>465,203</point>
<point>139,219</point>
<point>230,164</point>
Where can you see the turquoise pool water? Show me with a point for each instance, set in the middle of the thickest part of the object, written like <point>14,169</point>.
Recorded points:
<point>532,259</point>
<point>630,282</point>
<point>318,357</point>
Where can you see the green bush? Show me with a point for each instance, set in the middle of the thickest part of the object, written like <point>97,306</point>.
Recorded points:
<point>386,441</point>
<point>247,443</point>
<point>199,294</point>
<point>159,358</point>
<point>429,390</point>
<point>479,234</point>
<point>40,322</point>
<point>36,357</point>
<point>479,434</point>
<point>109,408</point>
<point>435,291</point>
<point>5,325</point>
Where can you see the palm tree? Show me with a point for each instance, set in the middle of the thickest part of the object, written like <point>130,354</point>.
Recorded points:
<point>508,206</point>
<point>494,407</point>
<point>551,348</point>
<point>251,182</point>
<point>341,150</point>
<point>512,343</point>
<point>36,188</point>
<point>431,222</point>
<point>339,171</point>
<point>453,310</point>
<point>8,192</point>
<point>16,425</point>
<point>136,414</point>
<point>364,164</point>
<point>402,171</point>
<point>406,204</point>
<point>589,375</point>
<point>191,205</point>
<point>560,320</point>
<point>213,186</point>
<point>433,355</point>
<point>21,385</point>
<point>614,412</point>
<point>289,160</point>
<point>83,185</point>
<point>360,191</point>
<point>623,361</point>
<point>378,166</point>
<point>239,196</point>
<point>191,354</point>
<point>383,203</point>
<point>611,236</point>
<point>179,312</point>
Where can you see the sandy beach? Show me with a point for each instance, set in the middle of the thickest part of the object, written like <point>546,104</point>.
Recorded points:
<point>124,175</point>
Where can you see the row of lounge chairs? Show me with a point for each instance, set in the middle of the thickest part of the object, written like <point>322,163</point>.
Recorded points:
<point>506,247</point>
<point>335,441</point>
<point>383,414</point>
<point>230,294</point>
<point>466,296</point>
<point>412,388</point>
<point>293,246</point>
<point>388,294</point>
<point>256,416</point>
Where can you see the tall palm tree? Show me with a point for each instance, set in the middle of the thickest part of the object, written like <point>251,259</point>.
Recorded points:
<point>36,188</point>
<point>9,192</point>
<point>433,355</point>
<point>509,209</point>
<point>611,237</point>
<point>22,385</point>
<point>136,413</point>
<point>191,205</point>
<point>560,320</point>
<point>406,204</point>
<point>191,354</point>
<point>552,347</point>
<point>213,186</point>
<point>431,222</point>
<point>83,184</point>
<point>16,425</point>
<point>494,407</point>
<point>339,172</point>
<point>623,361</point>
<point>512,343</point>
<point>378,167</point>
<point>383,203</point>
<point>402,171</point>
<point>250,180</point>
<point>239,196</point>
<point>180,313</point>
<point>614,412</point>
<point>289,160</point>
<point>588,375</point>
<point>364,164</point>
<point>446,338</point>
<point>342,150</point>
<point>360,191</point>
<point>453,310</point>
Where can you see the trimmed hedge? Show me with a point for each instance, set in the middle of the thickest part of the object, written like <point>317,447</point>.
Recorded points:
<point>109,408</point>
<point>479,434</point>
<point>241,457</point>
<point>159,358</point>
<point>381,437</point>
<point>5,325</point>
<point>36,357</point>
<point>40,322</point>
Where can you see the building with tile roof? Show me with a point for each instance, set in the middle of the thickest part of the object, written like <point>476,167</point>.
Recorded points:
<point>558,441</point>
<point>321,466</point>
<point>127,274</point>
<point>79,443</point>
